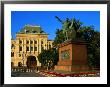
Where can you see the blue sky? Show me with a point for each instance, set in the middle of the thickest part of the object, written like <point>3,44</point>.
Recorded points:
<point>48,22</point>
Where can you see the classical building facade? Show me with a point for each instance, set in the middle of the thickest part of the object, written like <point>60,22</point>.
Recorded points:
<point>29,41</point>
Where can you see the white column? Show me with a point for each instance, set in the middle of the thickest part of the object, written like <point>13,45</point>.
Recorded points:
<point>33,46</point>
<point>29,46</point>
<point>39,45</point>
<point>24,45</point>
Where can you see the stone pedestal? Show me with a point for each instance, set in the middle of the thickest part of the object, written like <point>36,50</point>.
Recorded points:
<point>72,56</point>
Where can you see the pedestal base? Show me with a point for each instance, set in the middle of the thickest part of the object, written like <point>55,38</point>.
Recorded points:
<point>72,56</point>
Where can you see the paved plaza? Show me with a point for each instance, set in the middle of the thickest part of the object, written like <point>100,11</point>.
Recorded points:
<point>26,74</point>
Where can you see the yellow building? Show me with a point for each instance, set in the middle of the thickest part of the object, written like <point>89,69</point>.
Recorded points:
<point>29,42</point>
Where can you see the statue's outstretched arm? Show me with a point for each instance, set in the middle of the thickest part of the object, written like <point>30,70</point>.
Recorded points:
<point>59,19</point>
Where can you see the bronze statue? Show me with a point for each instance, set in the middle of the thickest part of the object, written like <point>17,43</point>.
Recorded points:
<point>65,24</point>
<point>68,28</point>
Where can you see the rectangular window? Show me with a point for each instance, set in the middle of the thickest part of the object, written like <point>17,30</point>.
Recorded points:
<point>19,55</point>
<point>31,48</point>
<point>12,54</point>
<point>41,42</point>
<point>27,42</point>
<point>35,48</point>
<point>31,42</point>
<point>20,48</point>
<point>20,41</point>
<point>35,42</point>
<point>27,48</point>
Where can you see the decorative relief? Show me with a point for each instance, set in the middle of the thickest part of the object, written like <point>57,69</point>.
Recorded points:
<point>65,54</point>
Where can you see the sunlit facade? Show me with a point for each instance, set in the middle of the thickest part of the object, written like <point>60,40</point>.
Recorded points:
<point>29,41</point>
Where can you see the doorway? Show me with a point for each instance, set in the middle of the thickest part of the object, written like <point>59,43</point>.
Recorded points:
<point>31,62</point>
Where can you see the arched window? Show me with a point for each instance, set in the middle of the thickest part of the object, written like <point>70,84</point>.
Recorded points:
<point>26,31</point>
<point>33,31</point>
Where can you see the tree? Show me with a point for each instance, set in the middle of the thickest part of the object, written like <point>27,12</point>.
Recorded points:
<point>59,37</point>
<point>92,38</point>
<point>48,58</point>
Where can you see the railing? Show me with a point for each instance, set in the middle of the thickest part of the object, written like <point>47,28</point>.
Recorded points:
<point>21,69</point>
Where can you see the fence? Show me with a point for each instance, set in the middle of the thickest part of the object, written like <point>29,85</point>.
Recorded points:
<point>23,69</point>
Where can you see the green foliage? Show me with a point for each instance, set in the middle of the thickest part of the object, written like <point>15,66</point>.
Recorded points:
<point>88,34</point>
<point>48,58</point>
<point>92,37</point>
<point>59,37</point>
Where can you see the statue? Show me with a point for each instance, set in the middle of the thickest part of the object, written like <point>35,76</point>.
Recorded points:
<point>65,24</point>
<point>72,33</point>
<point>68,28</point>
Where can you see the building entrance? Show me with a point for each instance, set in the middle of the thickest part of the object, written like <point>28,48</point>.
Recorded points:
<point>31,62</point>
